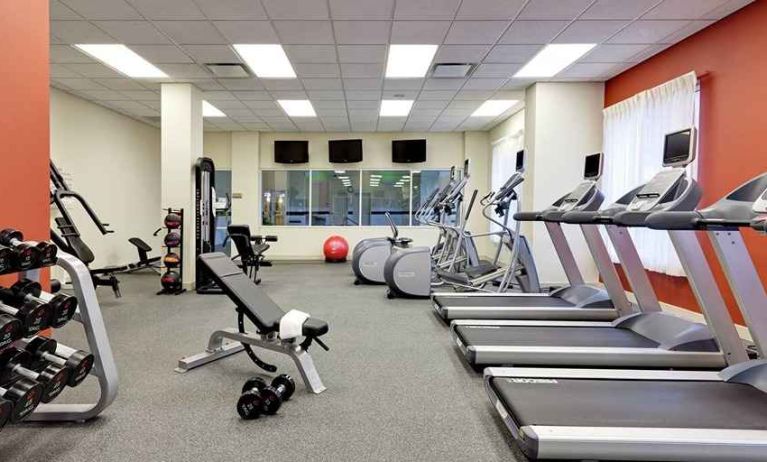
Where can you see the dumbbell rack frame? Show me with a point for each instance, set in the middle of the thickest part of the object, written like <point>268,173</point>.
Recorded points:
<point>180,268</point>
<point>104,368</point>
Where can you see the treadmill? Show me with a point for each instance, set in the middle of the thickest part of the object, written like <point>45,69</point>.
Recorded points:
<point>656,414</point>
<point>578,300</point>
<point>650,338</point>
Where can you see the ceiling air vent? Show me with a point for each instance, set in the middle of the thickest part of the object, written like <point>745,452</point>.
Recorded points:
<point>228,70</point>
<point>451,70</point>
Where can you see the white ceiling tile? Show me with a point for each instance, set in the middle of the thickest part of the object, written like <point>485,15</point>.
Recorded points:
<point>461,53</point>
<point>475,32</point>
<point>589,31</point>
<point>311,53</point>
<point>329,104</point>
<point>436,94</point>
<point>263,104</point>
<point>227,105</point>
<point>363,125</point>
<point>212,53</point>
<point>612,53</point>
<point>289,94</point>
<point>168,9</point>
<point>369,105</point>
<point>361,9</point>
<point>317,70</point>
<point>443,84</point>
<point>282,84</point>
<point>554,9</point>
<point>474,94</point>
<point>322,84</point>
<point>518,84</point>
<point>304,32</point>
<point>618,9</point>
<point>275,113</point>
<point>362,95</point>
<point>142,95</point>
<point>399,94</point>
<point>458,113</point>
<point>587,70</point>
<point>425,114</point>
<point>420,32</point>
<point>103,9</point>
<point>647,31</point>
<point>156,105</point>
<point>68,54</point>
<point>489,9</point>
<point>308,124</point>
<point>426,105</point>
<point>120,84</point>
<point>191,32</point>
<point>336,124</point>
<point>296,9</point>
<point>80,84</point>
<point>59,71</point>
<point>252,95</point>
<point>483,84</point>
<point>134,32</point>
<point>391,124</point>
<point>93,70</point>
<point>362,84</point>
<point>106,95</point>
<point>259,126</point>
<point>426,9</point>
<point>247,31</point>
<point>496,70</point>
<point>162,54</point>
<point>55,40</point>
<point>692,28</point>
<point>512,53</point>
<point>361,32</point>
<point>149,85</point>
<point>403,84</point>
<point>58,10</point>
<point>206,84</point>
<point>361,53</point>
<point>79,32</point>
<point>683,9</point>
<point>134,107</point>
<point>326,95</point>
<point>182,71</point>
<point>416,126</point>
<point>232,9</point>
<point>323,113</point>
<point>532,32</point>
<point>218,95</point>
<point>242,115</point>
<point>727,9</point>
<point>356,70</point>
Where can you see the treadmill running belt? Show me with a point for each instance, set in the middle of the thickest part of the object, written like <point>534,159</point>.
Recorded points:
<point>552,336</point>
<point>510,301</point>
<point>633,403</point>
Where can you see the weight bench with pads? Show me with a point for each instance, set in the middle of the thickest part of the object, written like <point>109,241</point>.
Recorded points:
<point>267,316</point>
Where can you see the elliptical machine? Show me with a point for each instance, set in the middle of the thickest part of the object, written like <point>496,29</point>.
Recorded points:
<point>369,255</point>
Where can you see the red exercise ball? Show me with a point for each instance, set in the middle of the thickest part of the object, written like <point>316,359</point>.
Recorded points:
<point>335,249</point>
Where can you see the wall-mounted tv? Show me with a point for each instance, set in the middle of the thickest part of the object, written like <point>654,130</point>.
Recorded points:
<point>408,151</point>
<point>291,152</point>
<point>345,151</point>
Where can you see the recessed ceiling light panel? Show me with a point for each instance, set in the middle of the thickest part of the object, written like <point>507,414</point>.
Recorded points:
<point>494,107</point>
<point>267,61</point>
<point>553,58</point>
<point>209,110</point>
<point>409,61</point>
<point>123,60</point>
<point>395,107</point>
<point>297,107</point>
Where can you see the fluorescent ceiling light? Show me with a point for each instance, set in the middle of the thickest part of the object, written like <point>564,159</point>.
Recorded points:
<point>396,107</point>
<point>409,61</point>
<point>376,176</point>
<point>494,107</point>
<point>553,58</point>
<point>297,107</point>
<point>266,61</point>
<point>209,110</point>
<point>122,59</point>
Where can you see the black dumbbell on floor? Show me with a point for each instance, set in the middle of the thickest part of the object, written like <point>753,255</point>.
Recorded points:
<point>63,306</point>
<point>53,378</point>
<point>34,317</point>
<point>78,362</point>
<point>6,408</point>
<point>10,329</point>
<point>259,397</point>
<point>24,395</point>
<point>46,252</point>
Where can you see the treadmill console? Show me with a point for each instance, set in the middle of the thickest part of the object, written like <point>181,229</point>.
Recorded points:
<point>581,193</point>
<point>656,189</point>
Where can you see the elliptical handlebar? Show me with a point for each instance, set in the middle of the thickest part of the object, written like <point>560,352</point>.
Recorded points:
<point>392,225</point>
<point>470,206</point>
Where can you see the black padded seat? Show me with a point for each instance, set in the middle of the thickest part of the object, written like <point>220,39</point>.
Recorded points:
<point>249,298</point>
<point>140,244</point>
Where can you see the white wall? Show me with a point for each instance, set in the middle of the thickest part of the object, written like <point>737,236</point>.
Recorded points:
<point>218,147</point>
<point>113,161</point>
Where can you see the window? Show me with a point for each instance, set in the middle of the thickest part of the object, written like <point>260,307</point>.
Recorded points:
<point>285,197</point>
<point>424,183</point>
<point>335,197</point>
<point>385,191</point>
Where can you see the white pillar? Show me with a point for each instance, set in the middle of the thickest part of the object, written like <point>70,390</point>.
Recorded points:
<point>246,179</point>
<point>181,147</point>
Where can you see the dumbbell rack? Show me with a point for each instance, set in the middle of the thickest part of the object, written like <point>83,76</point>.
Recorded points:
<point>180,268</point>
<point>104,368</point>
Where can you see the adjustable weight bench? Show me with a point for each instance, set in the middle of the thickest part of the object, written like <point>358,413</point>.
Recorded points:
<point>252,303</point>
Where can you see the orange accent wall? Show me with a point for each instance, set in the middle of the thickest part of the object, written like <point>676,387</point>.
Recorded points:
<point>24,137</point>
<point>729,58</point>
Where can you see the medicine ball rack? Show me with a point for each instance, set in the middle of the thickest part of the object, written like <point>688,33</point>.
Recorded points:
<point>169,249</point>
<point>88,313</point>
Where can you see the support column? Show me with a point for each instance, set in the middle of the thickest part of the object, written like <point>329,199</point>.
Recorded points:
<point>181,147</point>
<point>246,179</point>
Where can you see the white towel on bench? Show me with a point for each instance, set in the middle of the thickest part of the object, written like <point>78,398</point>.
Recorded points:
<point>291,325</point>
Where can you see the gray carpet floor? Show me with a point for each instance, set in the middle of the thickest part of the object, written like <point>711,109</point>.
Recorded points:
<point>397,390</point>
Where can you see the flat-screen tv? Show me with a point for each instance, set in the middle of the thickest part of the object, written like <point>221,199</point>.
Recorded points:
<point>345,151</point>
<point>291,152</point>
<point>408,151</point>
<point>679,148</point>
<point>592,168</point>
<point>520,164</point>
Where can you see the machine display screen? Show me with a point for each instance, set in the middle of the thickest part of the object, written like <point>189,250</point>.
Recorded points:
<point>678,148</point>
<point>520,160</point>
<point>593,166</point>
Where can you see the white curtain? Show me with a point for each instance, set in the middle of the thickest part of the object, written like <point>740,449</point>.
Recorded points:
<point>634,132</point>
<point>504,163</point>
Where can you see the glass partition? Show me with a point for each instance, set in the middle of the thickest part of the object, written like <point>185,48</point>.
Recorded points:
<point>285,197</point>
<point>335,198</point>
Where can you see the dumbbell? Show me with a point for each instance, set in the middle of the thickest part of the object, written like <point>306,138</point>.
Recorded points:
<point>10,330</point>
<point>34,317</point>
<point>46,252</point>
<point>271,396</point>
<point>53,378</point>
<point>78,362</point>
<point>24,395</point>
<point>7,259</point>
<point>63,307</point>
<point>6,409</point>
